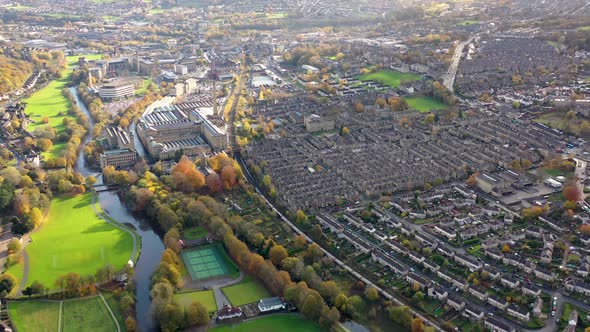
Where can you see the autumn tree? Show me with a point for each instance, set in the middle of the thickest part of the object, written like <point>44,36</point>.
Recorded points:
<point>213,182</point>
<point>196,314</point>
<point>228,176</point>
<point>277,253</point>
<point>572,193</point>
<point>417,325</point>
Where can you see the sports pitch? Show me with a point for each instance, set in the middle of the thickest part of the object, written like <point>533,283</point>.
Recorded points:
<point>207,262</point>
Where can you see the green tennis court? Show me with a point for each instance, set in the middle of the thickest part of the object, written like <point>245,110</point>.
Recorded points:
<point>207,262</point>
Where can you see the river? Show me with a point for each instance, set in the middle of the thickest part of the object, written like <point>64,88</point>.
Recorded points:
<point>151,245</point>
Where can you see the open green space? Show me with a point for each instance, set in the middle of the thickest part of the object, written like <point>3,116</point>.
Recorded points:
<point>115,307</point>
<point>74,239</point>
<point>34,315</point>
<point>467,23</point>
<point>584,28</point>
<point>245,292</point>
<point>156,11</point>
<point>51,103</point>
<point>142,91</point>
<point>389,77</point>
<point>194,233</point>
<point>283,323</point>
<point>208,261</point>
<point>276,15</point>
<point>206,298</point>
<point>425,104</point>
<point>87,315</point>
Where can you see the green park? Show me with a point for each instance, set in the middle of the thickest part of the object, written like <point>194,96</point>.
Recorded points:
<point>49,102</point>
<point>424,104</point>
<point>283,322</point>
<point>73,239</point>
<point>389,77</point>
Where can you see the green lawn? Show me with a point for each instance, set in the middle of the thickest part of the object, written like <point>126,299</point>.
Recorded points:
<point>276,15</point>
<point>87,315</point>
<point>74,239</point>
<point>142,91</point>
<point>49,102</point>
<point>467,22</point>
<point>205,297</point>
<point>425,104</point>
<point>246,292</point>
<point>283,323</point>
<point>34,315</point>
<point>194,233</point>
<point>584,28</point>
<point>115,307</point>
<point>389,77</point>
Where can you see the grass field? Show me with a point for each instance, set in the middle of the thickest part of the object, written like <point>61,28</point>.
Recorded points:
<point>74,239</point>
<point>115,307</point>
<point>467,22</point>
<point>205,297</point>
<point>425,104</point>
<point>208,261</point>
<point>283,323</point>
<point>34,315</point>
<point>585,28</point>
<point>87,315</point>
<point>245,292</point>
<point>142,91</point>
<point>194,233</point>
<point>389,77</point>
<point>50,102</point>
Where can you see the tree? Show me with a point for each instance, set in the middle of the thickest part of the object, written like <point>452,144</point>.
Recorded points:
<point>130,324</point>
<point>276,254</point>
<point>44,144</point>
<point>14,246</point>
<point>471,181</point>
<point>372,294</point>
<point>35,216</point>
<point>6,195</point>
<point>301,217</point>
<point>213,182</point>
<point>7,282</point>
<point>11,176</point>
<point>312,306</point>
<point>572,193</point>
<point>345,131</point>
<point>90,181</point>
<point>300,242</point>
<point>167,218</point>
<point>400,314</point>
<point>228,176</point>
<point>506,248</point>
<point>417,325</point>
<point>585,229</point>
<point>196,314</point>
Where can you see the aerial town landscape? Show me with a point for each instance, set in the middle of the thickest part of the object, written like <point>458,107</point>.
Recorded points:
<point>276,165</point>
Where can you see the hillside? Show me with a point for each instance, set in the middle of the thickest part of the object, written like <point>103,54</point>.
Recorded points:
<point>13,73</point>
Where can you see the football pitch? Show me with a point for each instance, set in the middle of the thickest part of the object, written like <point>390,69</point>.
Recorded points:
<point>207,262</point>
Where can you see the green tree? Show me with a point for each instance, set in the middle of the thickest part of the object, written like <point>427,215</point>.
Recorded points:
<point>277,254</point>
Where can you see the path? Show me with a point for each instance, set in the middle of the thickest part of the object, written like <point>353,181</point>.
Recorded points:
<point>61,304</point>
<point>110,311</point>
<point>118,225</point>
<point>23,281</point>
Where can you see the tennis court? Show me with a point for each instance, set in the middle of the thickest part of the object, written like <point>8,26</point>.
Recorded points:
<point>207,262</point>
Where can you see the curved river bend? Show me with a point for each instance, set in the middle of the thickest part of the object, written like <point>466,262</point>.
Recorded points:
<point>151,244</point>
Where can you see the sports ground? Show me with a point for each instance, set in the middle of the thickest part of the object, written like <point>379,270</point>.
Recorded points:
<point>389,77</point>
<point>283,323</point>
<point>74,239</point>
<point>88,314</point>
<point>208,262</point>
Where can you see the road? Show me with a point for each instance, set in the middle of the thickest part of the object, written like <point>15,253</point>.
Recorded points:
<point>449,77</point>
